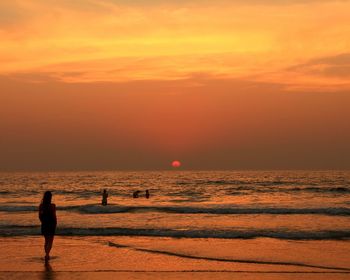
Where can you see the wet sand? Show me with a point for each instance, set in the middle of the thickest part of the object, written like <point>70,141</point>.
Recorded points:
<point>173,275</point>
<point>159,258</point>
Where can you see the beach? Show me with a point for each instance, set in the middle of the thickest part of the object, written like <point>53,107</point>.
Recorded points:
<point>159,258</point>
<point>203,225</point>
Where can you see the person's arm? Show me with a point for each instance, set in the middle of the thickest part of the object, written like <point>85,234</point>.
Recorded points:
<point>54,213</point>
<point>40,212</point>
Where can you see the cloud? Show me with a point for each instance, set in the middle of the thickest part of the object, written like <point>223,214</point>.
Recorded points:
<point>321,74</point>
<point>337,66</point>
<point>119,41</point>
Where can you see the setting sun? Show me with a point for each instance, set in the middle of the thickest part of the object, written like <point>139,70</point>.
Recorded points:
<point>176,163</point>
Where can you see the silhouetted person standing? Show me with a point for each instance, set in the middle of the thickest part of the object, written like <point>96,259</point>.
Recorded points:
<point>147,194</point>
<point>104,197</point>
<point>47,216</point>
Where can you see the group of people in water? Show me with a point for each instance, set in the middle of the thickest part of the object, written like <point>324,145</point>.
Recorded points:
<point>48,219</point>
<point>135,194</point>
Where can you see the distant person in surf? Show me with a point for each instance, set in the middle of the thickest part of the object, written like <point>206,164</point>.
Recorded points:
<point>147,194</point>
<point>104,197</point>
<point>135,194</point>
<point>48,219</point>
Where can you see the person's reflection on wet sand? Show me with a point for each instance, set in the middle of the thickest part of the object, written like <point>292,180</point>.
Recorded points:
<point>48,273</point>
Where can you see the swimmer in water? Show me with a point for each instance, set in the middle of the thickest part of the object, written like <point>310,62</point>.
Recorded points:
<point>135,194</point>
<point>104,197</point>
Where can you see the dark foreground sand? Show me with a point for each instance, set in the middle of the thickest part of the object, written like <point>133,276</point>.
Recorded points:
<point>172,275</point>
<point>168,258</point>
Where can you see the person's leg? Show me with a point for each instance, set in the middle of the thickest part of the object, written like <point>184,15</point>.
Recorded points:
<point>48,245</point>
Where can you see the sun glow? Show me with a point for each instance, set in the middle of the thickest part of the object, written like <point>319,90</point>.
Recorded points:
<point>176,164</point>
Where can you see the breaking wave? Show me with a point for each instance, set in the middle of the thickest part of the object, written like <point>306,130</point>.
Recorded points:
<point>15,230</point>
<point>114,208</point>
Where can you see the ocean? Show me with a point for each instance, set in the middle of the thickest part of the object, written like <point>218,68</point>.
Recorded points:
<point>286,205</point>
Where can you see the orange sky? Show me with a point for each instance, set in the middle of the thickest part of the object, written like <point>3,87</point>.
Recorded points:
<point>105,84</point>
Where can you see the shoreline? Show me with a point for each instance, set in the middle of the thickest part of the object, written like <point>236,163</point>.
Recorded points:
<point>128,254</point>
<point>155,258</point>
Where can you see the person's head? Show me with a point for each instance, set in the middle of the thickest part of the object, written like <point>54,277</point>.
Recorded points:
<point>47,198</point>
<point>104,190</point>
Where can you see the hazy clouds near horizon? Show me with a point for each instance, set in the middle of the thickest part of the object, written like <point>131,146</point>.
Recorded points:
<point>145,125</point>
